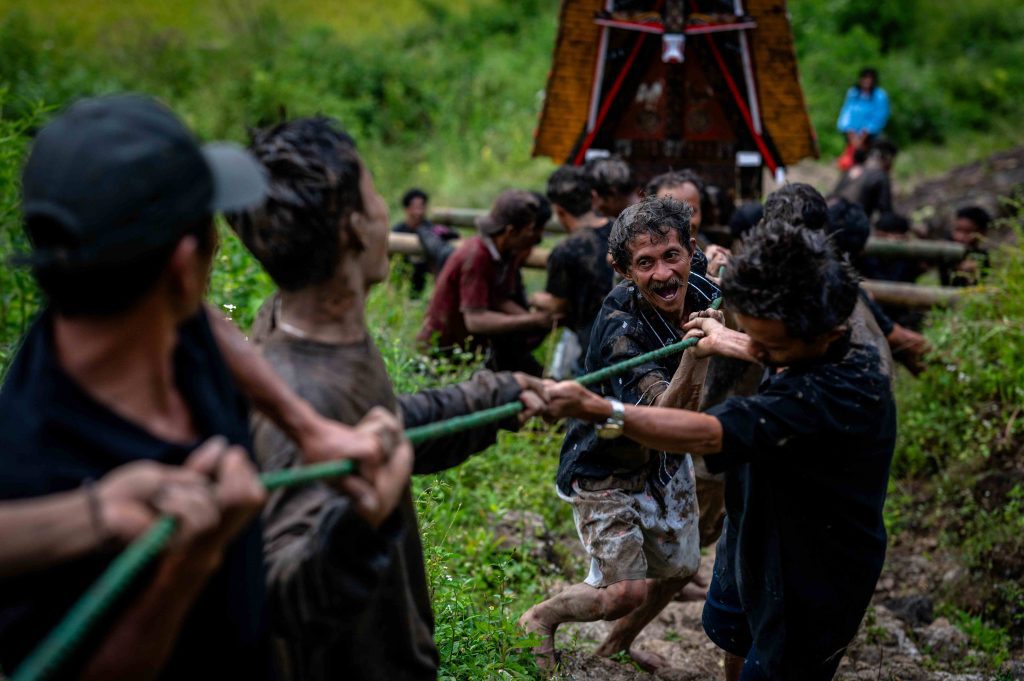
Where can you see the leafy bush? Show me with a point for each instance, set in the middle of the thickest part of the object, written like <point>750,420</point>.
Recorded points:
<point>958,412</point>
<point>946,68</point>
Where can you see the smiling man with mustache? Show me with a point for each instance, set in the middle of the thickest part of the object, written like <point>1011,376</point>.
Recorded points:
<point>635,509</point>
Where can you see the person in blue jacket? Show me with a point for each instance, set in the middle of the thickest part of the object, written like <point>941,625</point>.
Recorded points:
<point>865,112</point>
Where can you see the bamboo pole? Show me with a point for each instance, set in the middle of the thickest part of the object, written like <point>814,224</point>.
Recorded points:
<point>915,249</point>
<point>886,292</point>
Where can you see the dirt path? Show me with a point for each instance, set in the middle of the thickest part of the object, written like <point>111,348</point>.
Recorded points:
<point>900,639</point>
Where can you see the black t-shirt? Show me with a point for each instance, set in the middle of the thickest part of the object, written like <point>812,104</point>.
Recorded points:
<point>807,465</point>
<point>54,436</point>
<point>626,326</point>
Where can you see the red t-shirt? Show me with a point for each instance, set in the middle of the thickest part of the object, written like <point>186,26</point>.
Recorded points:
<point>470,280</point>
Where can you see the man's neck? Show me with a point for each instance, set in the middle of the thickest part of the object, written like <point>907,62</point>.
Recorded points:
<point>590,220</point>
<point>126,363</point>
<point>331,312</point>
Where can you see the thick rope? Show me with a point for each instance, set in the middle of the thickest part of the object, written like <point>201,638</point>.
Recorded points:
<point>68,635</point>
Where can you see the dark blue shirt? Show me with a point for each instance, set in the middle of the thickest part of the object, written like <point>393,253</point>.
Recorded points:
<point>54,436</point>
<point>626,326</point>
<point>807,464</point>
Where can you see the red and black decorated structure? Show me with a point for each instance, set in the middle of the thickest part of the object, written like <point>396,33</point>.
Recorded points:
<point>710,85</point>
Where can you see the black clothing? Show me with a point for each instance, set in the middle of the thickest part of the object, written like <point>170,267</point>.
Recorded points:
<point>888,269</point>
<point>54,436</point>
<point>872,190</point>
<point>578,272</point>
<point>807,462</point>
<point>434,239</point>
<point>883,320</point>
<point>626,326</point>
<point>950,275</point>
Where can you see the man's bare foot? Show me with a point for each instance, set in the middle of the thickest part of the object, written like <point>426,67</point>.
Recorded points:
<point>645,659</point>
<point>544,654</point>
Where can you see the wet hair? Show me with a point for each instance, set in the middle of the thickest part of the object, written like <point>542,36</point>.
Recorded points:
<point>654,217</point>
<point>798,204</point>
<point>610,177</point>
<point>848,226</point>
<point>568,187</point>
<point>104,289</point>
<point>976,214</point>
<point>792,275</point>
<point>412,195</point>
<point>543,210</point>
<point>314,173</point>
<point>893,223</point>
<point>675,178</point>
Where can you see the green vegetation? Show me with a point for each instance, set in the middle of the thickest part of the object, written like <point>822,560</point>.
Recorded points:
<point>960,445</point>
<point>949,67</point>
<point>445,95</point>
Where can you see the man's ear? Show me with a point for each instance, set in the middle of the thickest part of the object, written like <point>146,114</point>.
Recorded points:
<point>560,214</point>
<point>693,243</point>
<point>187,272</point>
<point>835,334</point>
<point>622,273</point>
<point>354,231</point>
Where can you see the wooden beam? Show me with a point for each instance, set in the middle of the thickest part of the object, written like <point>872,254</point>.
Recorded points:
<point>911,295</point>
<point>886,292</point>
<point>917,249</point>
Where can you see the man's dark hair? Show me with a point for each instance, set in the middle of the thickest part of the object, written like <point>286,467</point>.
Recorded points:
<point>543,210</point>
<point>569,188</point>
<point>745,217</point>
<point>849,227</point>
<point>314,173</point>
<point>869,71</point>
<point>791,274</point>
<point>798,204</point>
<point>412,195</point>
<point>883,148</point>
<point>893,223</point>
<point>976,214</point>
<point>675,178</point>
<point>654,217</point>
<point>109,288</point>
<point>610,177</point>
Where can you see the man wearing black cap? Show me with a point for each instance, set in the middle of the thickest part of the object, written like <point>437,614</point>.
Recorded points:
<point>123,365</point>
<point>473,303</point>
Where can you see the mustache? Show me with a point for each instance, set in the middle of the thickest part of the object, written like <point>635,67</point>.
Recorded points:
<point>674,282</point>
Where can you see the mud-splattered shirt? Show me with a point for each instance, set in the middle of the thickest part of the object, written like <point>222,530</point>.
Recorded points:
<point>349,601</point>
<point>626,326</point>
<point>807,466</point>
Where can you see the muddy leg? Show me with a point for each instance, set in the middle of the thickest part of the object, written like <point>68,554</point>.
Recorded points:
<point>625,631</point>
<point>579,603</point>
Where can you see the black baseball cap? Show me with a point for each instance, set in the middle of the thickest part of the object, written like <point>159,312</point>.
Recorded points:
<point>117,177</point>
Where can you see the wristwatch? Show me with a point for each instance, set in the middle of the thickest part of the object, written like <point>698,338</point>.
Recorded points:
<point>612,428</point>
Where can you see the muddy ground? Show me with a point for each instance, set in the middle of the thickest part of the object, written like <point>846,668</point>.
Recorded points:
<point>900,639</point>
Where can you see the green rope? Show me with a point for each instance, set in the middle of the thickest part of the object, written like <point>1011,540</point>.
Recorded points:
<point>47,657</point>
